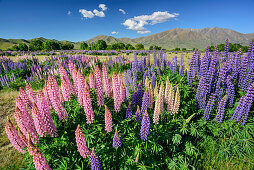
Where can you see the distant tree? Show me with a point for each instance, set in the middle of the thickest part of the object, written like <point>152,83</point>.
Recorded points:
<point>183,49</point>
<point>211,48</point>
<point>23,47</point>
<point>221,47</point>
<point>83,46</point>
<point>244,49</point>
<point>154,47</point>
<point>101,45</point>
<point>51,45</point>
<point>139,47</point>
<point>36,45</point>
<point>15,48</point>
<point>129,47</point>
<point>177,49</point>
<point>66,46</point>
<point>121,46</point>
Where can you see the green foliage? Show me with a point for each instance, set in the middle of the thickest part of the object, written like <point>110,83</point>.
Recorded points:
<point>154,47</point>
<point>23,47</point>
<point>101,45</point>
<point>129,47</point>
<point>36,45</point>
<point>50,45</point>
<point>139,47</point>
<point>83,46</point>
<point>66,46</point>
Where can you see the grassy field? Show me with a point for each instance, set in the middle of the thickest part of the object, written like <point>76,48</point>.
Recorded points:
<point>9,157</point>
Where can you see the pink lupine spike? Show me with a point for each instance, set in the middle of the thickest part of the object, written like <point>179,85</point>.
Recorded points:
<point>46,119</point>
<point>81,87</point>
<point>13,136</point>
<point>92,82</point>
<point>99,87</point>
<point>38,121</point>
<point>116,93</point>
<point>30,93</point>
<point>108,119</point>
<point>32,149</point>
<point>106,80</point>
<point>71,67</point>
<point>40,161</point>
<point>66,91</point>
<point>63,75</point>
<point>46,95</point>
<point>87,87</point>
<point>25,126</point>
<point>110,87</point>
<point>156,114</point>
<point>81,143</point>
<point>122,92</point>
<point>22,137</point>
<point>161,98</point>
<point>24,97</point>
<point>88,107</point>
<point>75,80</point>
<point>53,91</point>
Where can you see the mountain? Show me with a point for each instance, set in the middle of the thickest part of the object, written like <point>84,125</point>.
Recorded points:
<point>177,37</point>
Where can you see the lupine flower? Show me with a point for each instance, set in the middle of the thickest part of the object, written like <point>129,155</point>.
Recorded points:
<point>25,98</point>
<point>128,112</point>
<point>105,80</point>
<point>81,143</point>
<point>40,161</point>
<point>46,95</point>
<point>22,137</point>
<point>171,100</point>
<point>139,95</point>
<point>177,102</point>
<point>13,136</point>
<point>99,86</point>
<point>150,105</point>
<point>32,149</point>
<point>147,83</point>
<point>108,119</point>
<point>221,109</point>
<point>145,126</point>
<point>116,141</point>
<point>155,92</point>
<point>53,91</point>
<point>63,75</point>
<point>81,87</point>
<point>66,91</point>
<point>167,91</point>
<point>231,91</point>
<point>95,161</point>
<point>30,93</point>
<point>161,99</point>
<point>122,92</point>
<point>88,107</point>
<point>138,116</point>
<point>145,102</point>
<point>209,106</point>
<point>236,112</point>
<point>156,113</point>
<point>116,92</point>
<point>153,82</point>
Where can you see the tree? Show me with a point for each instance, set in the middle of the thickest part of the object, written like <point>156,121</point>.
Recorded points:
<point>23,47</point>
<point>50,45</point>
<point>66,46</point>
<point>101,45</point>
<point>83,46</point>
<point>36,45</point>
<point>129,47</point>
<point>139,47</point>
<point>15,48</point>
<point>183,49</point>
<point>177,49</point>
<point>211,48</point>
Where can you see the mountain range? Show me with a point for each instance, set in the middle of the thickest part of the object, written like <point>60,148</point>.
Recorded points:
<point>177,37</point>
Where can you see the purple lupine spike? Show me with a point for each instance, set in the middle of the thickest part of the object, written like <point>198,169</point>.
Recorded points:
<point>236,112</point>
<point>116,141</point>
<point>153,82</point>
<point>144,78</point>
<point>209,107</point>
<point>128,112</point>
<point>145,126</point>
<point>138,116</point>
<point>145,102</point>
<point>226,49</point>
<point>246,105</point>
<point>95,161</point>
<point>231,91</point>
<point>221,110</point>
<point>139,95</point>
<point>99,86</point>
<point>81,143</point>
<point>154,58</point>
<point>13,136</point>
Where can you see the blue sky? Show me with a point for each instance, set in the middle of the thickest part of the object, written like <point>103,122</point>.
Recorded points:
<point>78,20</point>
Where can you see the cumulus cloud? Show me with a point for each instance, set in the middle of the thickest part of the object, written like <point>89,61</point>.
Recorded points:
<point>95,12</point>
<point>114,32</point>
<point>138,22</point>
<point>98,13</point>
<point>69,13</point>
<point>103,7</point>
<point>121,10</point>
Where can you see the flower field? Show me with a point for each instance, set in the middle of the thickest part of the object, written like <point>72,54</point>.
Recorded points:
<point>76,111</point>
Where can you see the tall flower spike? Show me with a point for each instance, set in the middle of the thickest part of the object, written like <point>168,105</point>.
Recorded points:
<point>46,95</point>
<point>22,137</point>
<point>81,142</point>
<point>145,102</point>
<point>40,161</point>
<point>145,126</point>
<point>99,86</point>
<point>116,93</point>
<point>25,98</point>
<point>156,114</point>
<point>138,116</point>
<point>122,92</point>
<point>128,112</point>
<point>88,107</point>
<point>66,91</point>
<point>30,93</point>
<point>91,79</point>
<point>81,87</point>
<point>150,98</point>
<point>95,161</point>
<point>221,109</point>
<point>105,80</point>
<point>171,100</point>
<point>167,91</point>
<point>108,119</point>
<point>161,98</point>
<point>116,141</point>
<point>13,136</point>
<point>139,95</point>
<point>177,102</point>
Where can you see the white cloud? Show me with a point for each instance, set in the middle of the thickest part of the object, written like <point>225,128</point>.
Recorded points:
<point>138,22</point>
<point>103,7</point>
<point>86,14</point>
<point>114,32</point>
<point>69,13</point>
<point>121,10</point>
<point>98,13</point>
